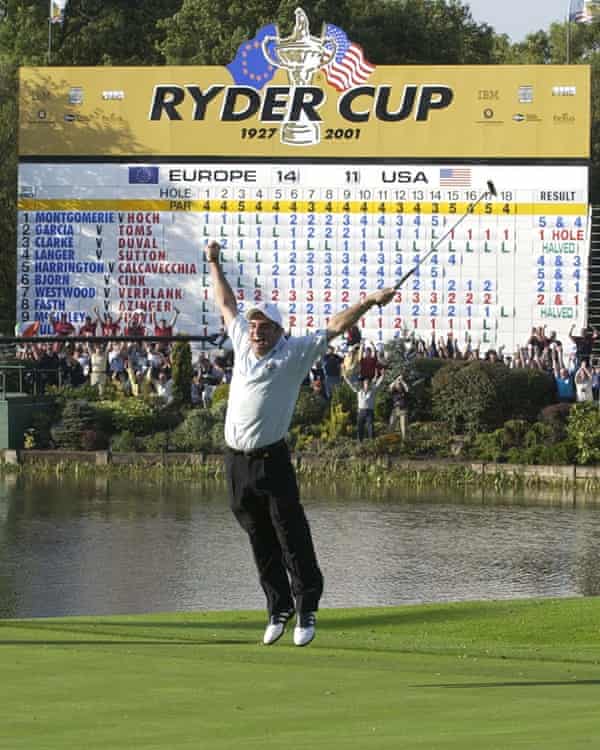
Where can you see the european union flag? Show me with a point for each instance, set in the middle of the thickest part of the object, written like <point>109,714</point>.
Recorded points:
<point>143,175</point>
<point>250,67</point>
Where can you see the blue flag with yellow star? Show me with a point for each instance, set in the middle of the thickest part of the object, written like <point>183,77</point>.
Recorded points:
<point>250,67</point>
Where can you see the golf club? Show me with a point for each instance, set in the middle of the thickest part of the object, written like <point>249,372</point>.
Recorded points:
<point>491,190</point>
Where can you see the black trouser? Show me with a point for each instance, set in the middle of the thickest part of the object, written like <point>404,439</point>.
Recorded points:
<point>265,500</point>
<point>365,422</point>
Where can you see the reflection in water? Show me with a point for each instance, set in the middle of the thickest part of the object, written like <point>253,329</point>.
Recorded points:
<point>104,546</point>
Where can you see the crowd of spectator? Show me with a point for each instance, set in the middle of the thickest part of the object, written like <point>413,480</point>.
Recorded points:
<point>132,367</point>
<point>144,367</point>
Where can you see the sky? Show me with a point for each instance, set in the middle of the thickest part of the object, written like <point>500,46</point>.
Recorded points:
<point>517,18</point>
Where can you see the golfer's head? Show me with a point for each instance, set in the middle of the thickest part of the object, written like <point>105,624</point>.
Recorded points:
<point>366,384</point>
<point>265,327</point>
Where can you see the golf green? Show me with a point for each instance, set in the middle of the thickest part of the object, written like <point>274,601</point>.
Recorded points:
<point>485,675</point>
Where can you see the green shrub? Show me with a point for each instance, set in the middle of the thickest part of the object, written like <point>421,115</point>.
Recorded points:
<point>125,442</point>
<point>220,394</point>
<point>346,398</point>
<point>218,409</point>
<point>182,372</point>
<point>515,432</point>
<point>217,437</point>
<point>465,397</point>
<point>427,439</point>
<point>77,417</point>
<point>194,434</point>
<point>157,443</point>
<point>66,393</point>
<point>336,424</point>
<point>488,446</point>
<point>310,408</point>
<point>583,431</point>
<point>94,440</point>
<point>528,391</point>
<point>137,415</point>
<point>40,427</point>
<point>555,416</point>
<point>481,396</point>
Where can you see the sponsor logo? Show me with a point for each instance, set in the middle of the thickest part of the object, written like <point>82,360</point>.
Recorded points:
<point>525,94</point>
<point>488,95</point>
<point>113,96</point>
<point>488,113</point>
<point>564,119</point>
<point>564,90</point>
<point>520,117</point>
<point>143,175</point>
<point>76,95</point>
<point>39,95</point>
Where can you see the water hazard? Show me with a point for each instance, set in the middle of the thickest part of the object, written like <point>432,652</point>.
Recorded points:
<point>107,546</point>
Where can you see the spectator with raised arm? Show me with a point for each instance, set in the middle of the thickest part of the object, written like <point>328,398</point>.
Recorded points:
<point>565,387</point>
<point>108,326</point>
<point>366,392</point>
<point>61,325</point>
<point>583,342</point>
<point>89,327</point>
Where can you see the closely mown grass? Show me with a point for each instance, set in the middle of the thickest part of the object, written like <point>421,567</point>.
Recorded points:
<point>481,675</point>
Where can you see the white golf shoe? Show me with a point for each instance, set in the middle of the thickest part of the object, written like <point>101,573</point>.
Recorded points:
<point>276,626</point>
<point>304,632</point>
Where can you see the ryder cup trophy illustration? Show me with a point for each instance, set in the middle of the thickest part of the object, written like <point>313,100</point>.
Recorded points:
<point>301,55</point>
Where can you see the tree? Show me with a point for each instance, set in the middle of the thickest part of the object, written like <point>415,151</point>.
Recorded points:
<point>550,47</point>
<point>391,33</point>
<point>183,371</point>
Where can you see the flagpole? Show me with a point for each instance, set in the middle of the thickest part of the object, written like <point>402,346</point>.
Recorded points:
<point>50,33</point>
<point>569,32</point>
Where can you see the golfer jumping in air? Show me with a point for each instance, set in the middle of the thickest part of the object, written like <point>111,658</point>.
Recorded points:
<point>267,373</point>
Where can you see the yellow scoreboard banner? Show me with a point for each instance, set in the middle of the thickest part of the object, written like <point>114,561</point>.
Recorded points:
<point>301,110</point>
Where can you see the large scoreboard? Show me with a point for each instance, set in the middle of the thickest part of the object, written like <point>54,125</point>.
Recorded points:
<point>318,194</point>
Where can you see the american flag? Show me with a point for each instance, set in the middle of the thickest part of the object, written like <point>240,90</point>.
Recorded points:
<point>455,177</point>
<point>583,11</point>
<point>349,67</point>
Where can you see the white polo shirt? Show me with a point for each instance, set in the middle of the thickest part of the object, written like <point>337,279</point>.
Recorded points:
<point>264,391</point>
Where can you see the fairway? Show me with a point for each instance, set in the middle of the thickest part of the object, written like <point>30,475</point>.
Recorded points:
<point>489,675</point>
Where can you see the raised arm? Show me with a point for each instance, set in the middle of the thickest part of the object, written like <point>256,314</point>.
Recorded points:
<point>347,318</point>
<point>349,382</point>
<point>222,291</point>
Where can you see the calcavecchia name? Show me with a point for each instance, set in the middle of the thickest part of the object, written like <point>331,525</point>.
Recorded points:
<point>292,103</point>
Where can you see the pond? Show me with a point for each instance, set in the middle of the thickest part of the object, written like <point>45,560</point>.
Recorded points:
<point>116,546</point>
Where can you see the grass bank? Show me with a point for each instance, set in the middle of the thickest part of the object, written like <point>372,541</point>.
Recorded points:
<point>481,675</point>
<point>375,472</point>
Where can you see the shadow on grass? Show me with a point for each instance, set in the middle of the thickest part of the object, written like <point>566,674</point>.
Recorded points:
<point>82,632</point>
<point>425,614</point>
<point>117,642</point>
<point>542,683</point>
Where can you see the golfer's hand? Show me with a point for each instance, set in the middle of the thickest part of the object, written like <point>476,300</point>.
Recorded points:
<point>212,251</point>
<point>383,296</point>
